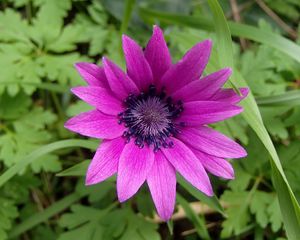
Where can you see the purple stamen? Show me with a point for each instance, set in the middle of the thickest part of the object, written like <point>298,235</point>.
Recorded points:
<point>149,118</point>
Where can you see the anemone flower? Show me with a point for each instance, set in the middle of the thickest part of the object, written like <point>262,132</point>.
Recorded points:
<point>153,120</point>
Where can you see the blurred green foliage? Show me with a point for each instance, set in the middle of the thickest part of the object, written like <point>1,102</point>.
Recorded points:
<point>40,40</point>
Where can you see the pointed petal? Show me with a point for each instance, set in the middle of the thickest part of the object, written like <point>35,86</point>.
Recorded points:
<point>188,69</point>
<point>187,164</point>
<point>105,161</point>
<point>100,98</point>
<point>134,166</point>
<point>211,142</point>
<point>162,184</point>
<point>95,124</point>
<point>157,54</point>
<point>206,112</point>
<point>92,74</point>
<point>118,81</point>
<point>217,166</point>
<point>138,68</point>
<point>230,96</point>
<point>205,88</point>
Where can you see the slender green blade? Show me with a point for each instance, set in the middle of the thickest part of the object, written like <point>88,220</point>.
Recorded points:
<point>290,98</point>
<point>197,221</point>
<point>46,214</point>
<point>213,202</point>
<point>237,29</point>
<point>225,50</point>
<point>287,200</point>
<point>129,4</point>
<point>76,170</point>
<point>42,151</point>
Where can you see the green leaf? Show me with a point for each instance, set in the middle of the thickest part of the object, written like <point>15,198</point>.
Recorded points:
<point>8,212</point>
<point>106,224</point>
<point>237,214</point>
<point>95,30</point>
<point>291,164</point>
<point>25,135</point>
<point>241,180</point>
<point>274,120</point>
<point>259,67</point>
<point>13,107</point>
<point>259,206</point>
<point>67,40</point>
<point>80,215</point>
<point>275,215</point>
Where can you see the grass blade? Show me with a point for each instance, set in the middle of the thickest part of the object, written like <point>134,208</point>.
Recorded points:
<point>290,98</point>
<point>46,214</point>
<point>213,202</point>
<point>129,4</point>
<point>237,29</point>
<point>194,218</point>
<point>42,151</point>
<point>76,170</point>
<point>288,204</point>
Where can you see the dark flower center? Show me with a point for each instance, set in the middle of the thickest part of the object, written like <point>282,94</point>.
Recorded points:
<point>149,118</point>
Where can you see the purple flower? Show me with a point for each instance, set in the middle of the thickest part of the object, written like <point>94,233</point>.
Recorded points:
<point>153,120</point>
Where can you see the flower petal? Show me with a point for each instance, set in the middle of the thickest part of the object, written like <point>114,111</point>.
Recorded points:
<point>230,96</point>
<point>211,142</point>
<point>157,54</point>
<point>205,112</point>
<point>187,164</point>
<point>162,184</point>
<point>134,166</point>
<point>99,98</point>
<point>188,69</point>
<point>215,165</point>
<point>92,74</point>
<point>118,81</point>
<point>203,89</point>
<point>105,161</point>
<point>138,68</point>
<point>95,124</point>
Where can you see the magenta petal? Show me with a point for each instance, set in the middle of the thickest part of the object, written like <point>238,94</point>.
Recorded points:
<point>230,96</point>
<point>95,124</point>
<point>205,88</point>
<point>118,81</point>
<point>157,54</point>
<point>100,98</point>
<point>134,166</point>
<point>138,68</point>
<point>92,74</point>
<point>211,142</point>
<point>187,164</point>
<point>188,69</point>
<point>217,166</point>
<point>105,161</point>
<point>206,112</point>
<point>162,184</point>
